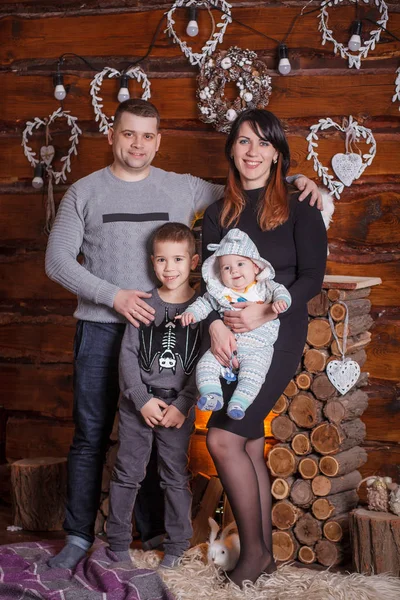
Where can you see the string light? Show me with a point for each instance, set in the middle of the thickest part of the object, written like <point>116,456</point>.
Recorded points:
<point>123,93</point>
<point>192,29</point>
<point>284,66</point>
<point>355,40</point>
<point>59,90</point>
<point>38,176</point>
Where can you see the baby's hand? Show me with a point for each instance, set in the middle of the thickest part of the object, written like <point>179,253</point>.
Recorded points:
<point>279,306</point>
<point>186,318</point>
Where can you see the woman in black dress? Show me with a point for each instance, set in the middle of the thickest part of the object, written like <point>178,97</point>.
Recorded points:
<point>292,236</point>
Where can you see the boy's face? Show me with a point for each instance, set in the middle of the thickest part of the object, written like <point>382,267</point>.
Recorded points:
<point>237,272</point>
<point>172,263</point>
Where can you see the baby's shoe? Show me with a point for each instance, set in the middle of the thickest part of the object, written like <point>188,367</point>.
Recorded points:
<point>210,402</point>
<point>235,411</point>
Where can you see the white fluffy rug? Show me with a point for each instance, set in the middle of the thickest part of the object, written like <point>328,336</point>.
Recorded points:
<point>195,580</point>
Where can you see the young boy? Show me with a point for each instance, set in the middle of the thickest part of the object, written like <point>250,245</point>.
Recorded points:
<point>158,394</point>
<point>237,273</point>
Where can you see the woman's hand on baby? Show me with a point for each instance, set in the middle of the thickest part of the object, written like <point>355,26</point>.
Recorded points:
<point>186,319</point>
<point>223,344</point>
<point>153,411</point>
<point>279,306</point>
<point>172,417</point>
<point>251,316</point>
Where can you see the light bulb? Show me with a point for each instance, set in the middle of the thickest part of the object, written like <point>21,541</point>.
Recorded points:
<point>59,89</point>
<point>284,66</point>
<point>123,93</point>
<point>355,40</point>
<point>192,29</point>
<point>37,181</point>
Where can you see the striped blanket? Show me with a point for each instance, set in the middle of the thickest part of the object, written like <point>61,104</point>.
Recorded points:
<point>25,575</point>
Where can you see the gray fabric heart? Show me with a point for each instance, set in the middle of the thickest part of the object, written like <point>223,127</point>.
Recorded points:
<point>347,167</point>
<point>47,154</point>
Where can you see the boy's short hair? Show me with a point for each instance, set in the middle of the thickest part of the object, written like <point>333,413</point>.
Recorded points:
<point>175,232</point>
<point>138,107</point>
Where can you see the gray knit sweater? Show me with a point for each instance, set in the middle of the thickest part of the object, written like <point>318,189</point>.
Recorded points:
<point>146,351</point>
<point>110,221</point>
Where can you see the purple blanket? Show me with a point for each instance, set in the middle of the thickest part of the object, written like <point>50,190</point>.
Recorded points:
<point>25,574</point>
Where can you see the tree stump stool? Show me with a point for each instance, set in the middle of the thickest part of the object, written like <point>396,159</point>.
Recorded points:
<point>375,540</point>
<point>38,488</point>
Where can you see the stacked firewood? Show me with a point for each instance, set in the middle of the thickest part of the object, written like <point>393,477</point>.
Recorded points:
<point>320,435</point>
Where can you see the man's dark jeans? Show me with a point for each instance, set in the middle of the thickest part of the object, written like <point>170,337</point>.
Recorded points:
<point>96,393</point>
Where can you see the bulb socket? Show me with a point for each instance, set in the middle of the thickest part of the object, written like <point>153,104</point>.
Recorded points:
<point>356,28</point>
<point>58,79</point>
<point>283,51</point>
<point>192,11</point>
<point>123,82</point>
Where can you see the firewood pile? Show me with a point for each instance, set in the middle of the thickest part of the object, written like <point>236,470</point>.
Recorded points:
<point>319,431</point>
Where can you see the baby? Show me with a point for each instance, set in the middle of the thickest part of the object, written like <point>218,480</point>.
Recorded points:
<point>237,273</point>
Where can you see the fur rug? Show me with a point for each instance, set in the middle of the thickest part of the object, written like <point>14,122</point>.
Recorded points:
<point>195,580</point>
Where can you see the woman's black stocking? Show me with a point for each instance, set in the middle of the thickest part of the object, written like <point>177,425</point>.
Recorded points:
<point>240,481</point>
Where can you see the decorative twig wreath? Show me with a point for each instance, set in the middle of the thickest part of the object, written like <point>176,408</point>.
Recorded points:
<point>95,87</point>
<point>250,76</point>
<point>348,166</point>
<point>197,58</point>
<point>47,152</point>
<point>327,35</point>
<point>397,87</point>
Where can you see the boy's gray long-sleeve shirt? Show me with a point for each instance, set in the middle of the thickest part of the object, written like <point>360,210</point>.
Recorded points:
<point>141,357</point>
<point>110,221</point>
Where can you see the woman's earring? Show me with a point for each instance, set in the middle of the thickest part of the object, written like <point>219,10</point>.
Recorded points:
<point>275,161</point>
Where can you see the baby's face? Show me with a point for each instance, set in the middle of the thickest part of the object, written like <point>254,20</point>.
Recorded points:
<point>237,272</point>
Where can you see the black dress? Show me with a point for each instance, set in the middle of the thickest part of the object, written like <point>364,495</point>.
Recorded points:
<point>297,250</point>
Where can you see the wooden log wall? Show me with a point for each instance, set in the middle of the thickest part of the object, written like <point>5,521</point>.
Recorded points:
<point>36,327</point>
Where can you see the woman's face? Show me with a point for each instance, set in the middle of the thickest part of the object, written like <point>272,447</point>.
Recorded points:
<point>253,157</point>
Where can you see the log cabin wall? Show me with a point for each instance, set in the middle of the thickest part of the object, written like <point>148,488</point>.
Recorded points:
<point>36,327</point>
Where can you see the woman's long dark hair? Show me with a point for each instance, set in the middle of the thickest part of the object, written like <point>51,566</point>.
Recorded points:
<point>273,207</point>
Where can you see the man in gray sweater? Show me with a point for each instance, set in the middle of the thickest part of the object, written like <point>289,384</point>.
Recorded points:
<point>109,217</point>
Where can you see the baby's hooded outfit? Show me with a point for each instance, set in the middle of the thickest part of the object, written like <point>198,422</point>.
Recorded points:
<point>255,348</point>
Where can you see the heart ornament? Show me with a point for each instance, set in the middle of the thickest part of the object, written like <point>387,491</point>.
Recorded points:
<point>95,86</point>
<point>197,58</point>
<point>343,374</point>
<point>354,60</point>
<point>47,154</point>
<point>347,167</point>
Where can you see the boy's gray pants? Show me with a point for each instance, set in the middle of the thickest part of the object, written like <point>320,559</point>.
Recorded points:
<point>135,443</point>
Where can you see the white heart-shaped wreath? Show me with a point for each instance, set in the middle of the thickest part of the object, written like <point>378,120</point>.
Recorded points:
<point>397,87</point>
<point>95,86</point>
<point>327,35</point>
<point>343,374</point>
<point>197,58</point>
<point>336,187</point>
<point>47,151</point>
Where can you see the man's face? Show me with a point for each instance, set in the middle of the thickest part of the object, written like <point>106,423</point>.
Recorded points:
<point>135,141</point>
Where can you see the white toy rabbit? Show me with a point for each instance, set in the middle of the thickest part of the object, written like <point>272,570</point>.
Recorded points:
<point>224,551</point>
